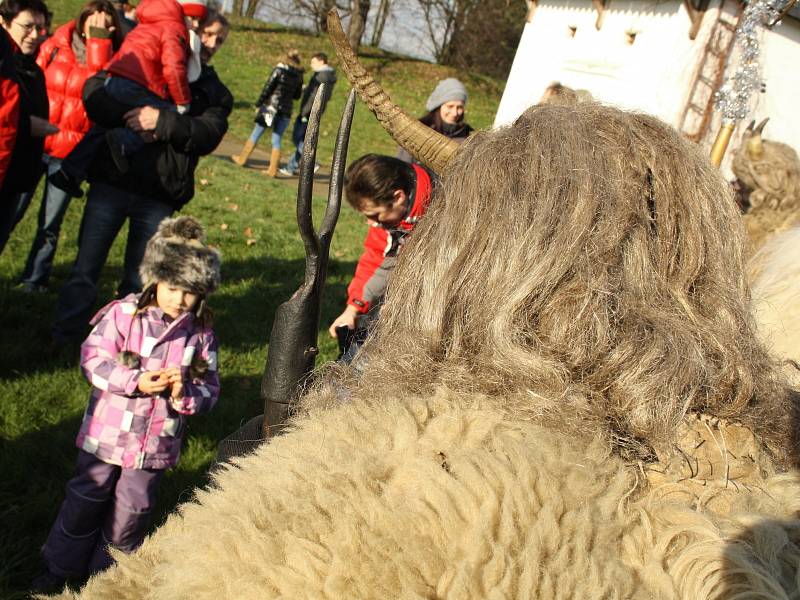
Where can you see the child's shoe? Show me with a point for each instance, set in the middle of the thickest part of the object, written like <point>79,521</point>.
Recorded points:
<point>66,183</point>
<point>117,150</point>
<point>286,171</point>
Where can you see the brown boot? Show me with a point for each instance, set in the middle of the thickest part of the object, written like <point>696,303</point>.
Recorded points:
<point>241,158</point>
<point>274,162</point>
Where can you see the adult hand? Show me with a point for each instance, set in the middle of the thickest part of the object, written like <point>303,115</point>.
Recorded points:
<point>98,21</point>
<point>42,127</point>
<point>142,119</point>
<point>153,382</point>
<point>348,317</point>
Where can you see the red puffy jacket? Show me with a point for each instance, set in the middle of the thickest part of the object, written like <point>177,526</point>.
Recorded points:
<point>155,52</point>
<point>65,77</point>
<point>9,104</point>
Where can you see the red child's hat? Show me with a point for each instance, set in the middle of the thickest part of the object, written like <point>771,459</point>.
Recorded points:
<point>193,8</point>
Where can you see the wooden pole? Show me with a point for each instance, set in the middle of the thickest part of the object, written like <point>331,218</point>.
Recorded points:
<point>721,143</point>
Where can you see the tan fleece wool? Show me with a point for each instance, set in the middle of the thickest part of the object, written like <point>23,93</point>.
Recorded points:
<point>447,498</point>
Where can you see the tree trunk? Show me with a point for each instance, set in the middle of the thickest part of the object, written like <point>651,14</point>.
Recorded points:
<point>322,15</point>
<point>358,21</point>
<point>380,22</point>
<point>238,8</point>
<point>252,7</point>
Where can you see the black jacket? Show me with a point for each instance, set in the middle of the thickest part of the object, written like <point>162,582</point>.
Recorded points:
<point>25,166</point>
<point>325,75</point>
<point>164,169</point>
<point>281,89</point>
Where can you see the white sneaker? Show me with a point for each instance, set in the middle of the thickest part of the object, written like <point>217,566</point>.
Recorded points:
<point>285,171</point>
<point>317,167</point>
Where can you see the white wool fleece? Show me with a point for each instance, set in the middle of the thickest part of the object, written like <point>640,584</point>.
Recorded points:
<point>446,498</point>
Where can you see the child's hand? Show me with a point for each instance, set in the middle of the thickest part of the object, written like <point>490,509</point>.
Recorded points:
<point>175,379</point>
<point>153,382</point>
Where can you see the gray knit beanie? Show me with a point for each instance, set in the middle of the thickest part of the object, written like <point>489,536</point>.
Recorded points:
<point>447,90</point>
<point>176,255</point>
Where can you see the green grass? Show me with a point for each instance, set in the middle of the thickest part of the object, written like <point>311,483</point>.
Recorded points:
<point>42,398</point>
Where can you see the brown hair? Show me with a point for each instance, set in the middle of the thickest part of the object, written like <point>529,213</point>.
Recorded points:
<point>584,268</point>
<point>321,56</point>
<point>105,7</point>
<point>375,177</point>
<point>293,58</point>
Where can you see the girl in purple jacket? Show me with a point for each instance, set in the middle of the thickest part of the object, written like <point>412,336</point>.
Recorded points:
<point>152,360</point>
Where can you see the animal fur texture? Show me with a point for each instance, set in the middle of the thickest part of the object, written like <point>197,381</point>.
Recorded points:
<point>446,497</point>
<point>772,176</point>
<point>564,397</point>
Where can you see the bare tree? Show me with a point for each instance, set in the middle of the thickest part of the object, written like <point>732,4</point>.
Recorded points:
<point>237,8</point>
<point>359,11</point>
<point>380,21</point>
<point>444,19</point>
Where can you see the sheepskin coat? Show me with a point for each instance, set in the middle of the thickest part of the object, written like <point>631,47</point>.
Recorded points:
<point>450,497</point>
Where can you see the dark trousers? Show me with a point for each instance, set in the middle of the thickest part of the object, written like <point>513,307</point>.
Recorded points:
<point>107,209</point>
<point>105,505</point>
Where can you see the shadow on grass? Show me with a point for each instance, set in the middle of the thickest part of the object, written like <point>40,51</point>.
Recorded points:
<point>35,467</point>
<point>243,310</point>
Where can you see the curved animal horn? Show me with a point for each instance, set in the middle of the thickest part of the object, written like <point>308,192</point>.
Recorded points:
<point>429,147</point>
<point>755,146</point>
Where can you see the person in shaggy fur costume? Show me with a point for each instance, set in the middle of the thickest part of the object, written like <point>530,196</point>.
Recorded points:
<point>564,398</point>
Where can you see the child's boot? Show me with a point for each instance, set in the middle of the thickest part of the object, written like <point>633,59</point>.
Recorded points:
<point>241,158</point>
<point>274,162</point>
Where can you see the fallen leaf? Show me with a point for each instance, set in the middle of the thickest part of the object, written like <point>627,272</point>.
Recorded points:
<point>223,226</point>
<point>204,182</point>
<point>233,207</point>
<point>338,253</point>
<point>250,241</point>
<point>248,232</point>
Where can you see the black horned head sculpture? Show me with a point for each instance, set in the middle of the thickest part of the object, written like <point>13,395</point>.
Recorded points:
<point>293,341</point>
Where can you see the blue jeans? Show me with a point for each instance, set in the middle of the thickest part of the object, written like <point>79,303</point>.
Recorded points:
<point>298,138</point>
<point>279,125</point>
<point>107,208</point>
<point>128,93</point>
<point>51,215</point>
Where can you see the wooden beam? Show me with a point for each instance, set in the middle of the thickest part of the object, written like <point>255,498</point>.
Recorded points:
<point>696,14</point>
<point>531,9</point>
<point>600,7</point>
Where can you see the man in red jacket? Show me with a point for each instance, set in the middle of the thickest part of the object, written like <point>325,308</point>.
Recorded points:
<point>393,195</point>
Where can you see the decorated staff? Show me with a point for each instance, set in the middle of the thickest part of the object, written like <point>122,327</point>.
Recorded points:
<point>733,98</point>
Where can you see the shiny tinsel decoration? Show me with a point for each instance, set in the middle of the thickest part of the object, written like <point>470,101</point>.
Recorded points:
<point>733,98</point>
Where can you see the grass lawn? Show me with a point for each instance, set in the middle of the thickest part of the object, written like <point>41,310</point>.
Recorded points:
<point>42,399</point>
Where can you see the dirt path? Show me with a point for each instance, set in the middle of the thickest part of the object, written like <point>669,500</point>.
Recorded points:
<point>259,160</point>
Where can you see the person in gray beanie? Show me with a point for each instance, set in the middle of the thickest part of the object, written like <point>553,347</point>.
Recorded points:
<point>151,359</point>
<point>445,114</point>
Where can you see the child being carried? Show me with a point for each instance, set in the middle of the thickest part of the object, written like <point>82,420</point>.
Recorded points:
<point>153,67</point>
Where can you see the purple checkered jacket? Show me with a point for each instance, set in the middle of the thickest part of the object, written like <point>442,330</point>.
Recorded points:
<point>123,426</point>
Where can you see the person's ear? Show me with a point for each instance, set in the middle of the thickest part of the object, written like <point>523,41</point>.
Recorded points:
<point>398,198</point>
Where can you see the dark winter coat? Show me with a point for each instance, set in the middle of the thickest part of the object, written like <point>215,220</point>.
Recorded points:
<point>26,165</point>
<point>325,75</point>
<point>281,89</point>
<point>164,169</point>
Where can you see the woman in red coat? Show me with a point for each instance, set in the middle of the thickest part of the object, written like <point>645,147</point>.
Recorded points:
<point>75,52</point>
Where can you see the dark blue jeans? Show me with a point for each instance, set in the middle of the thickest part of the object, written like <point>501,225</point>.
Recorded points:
<point>107,208</point>
<point>298,138</point>
<point>51,214</point>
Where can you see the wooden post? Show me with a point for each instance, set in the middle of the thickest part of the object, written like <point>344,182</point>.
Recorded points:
<point>721,143</point>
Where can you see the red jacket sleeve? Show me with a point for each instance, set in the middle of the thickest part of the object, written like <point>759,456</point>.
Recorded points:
<point>9,120</point>
<point>174,53</point>
<point>98,53</point>
<point>368,268</point>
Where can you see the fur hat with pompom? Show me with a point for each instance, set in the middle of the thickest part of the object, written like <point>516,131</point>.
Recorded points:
<point>177,255</point>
